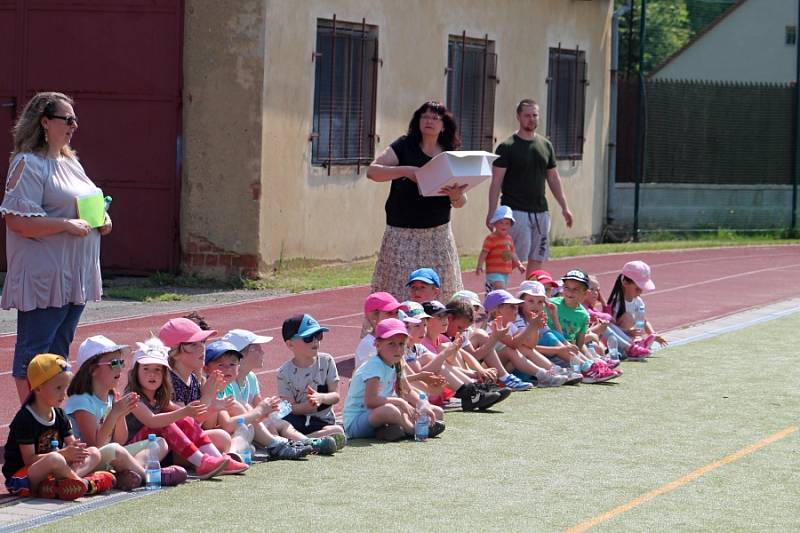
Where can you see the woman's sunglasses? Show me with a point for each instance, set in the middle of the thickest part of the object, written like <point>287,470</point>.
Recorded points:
<point>70,120</point>
<point>115,363</point>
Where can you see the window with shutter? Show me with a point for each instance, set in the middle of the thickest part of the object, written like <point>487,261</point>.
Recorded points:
<point>345,85</point>
<point>566,102</point>
<point>471,83</point>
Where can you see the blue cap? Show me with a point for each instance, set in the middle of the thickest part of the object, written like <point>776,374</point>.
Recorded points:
<point>300,326</point>
<point>426,275</point>
<point>217,349</point>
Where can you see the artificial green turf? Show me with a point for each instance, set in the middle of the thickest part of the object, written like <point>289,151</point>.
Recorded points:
<point>550,460</point>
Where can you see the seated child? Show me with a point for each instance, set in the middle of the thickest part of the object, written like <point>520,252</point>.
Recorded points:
<point>423,285</point>
<point>280,439</point>
<point>498,252</point>
<point>42,457</point>
<point>156,414</point>
<point>630,325</point>
<point>97,413</point>
<point>543,276</point>
<point>380,403</point>
<point>309,380</point>
<point>574,320</point>
<point>378,306</point>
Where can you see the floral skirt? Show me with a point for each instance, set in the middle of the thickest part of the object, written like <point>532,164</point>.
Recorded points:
<point>404,250</point>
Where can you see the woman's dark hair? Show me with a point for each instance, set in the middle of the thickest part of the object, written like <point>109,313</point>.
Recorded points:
<point>448,138</point>
<point>616,300</point>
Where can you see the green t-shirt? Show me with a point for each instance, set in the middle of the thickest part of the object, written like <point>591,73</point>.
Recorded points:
<point>526,164</point>
<point>574,320</point>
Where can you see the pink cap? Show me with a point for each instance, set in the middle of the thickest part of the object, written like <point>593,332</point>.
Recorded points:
<point>639,273</point>
<point>180,330</point>
<point>382,301</point>
<point>389,328</point>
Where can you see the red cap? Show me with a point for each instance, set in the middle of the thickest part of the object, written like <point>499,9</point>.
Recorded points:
<point>543,277</point>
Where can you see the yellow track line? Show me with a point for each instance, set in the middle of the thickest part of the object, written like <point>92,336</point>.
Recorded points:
<point>672,485</point>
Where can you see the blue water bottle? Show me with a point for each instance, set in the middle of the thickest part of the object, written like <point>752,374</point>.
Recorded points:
<point>152,469</point>
<point>421,424</point>
<point>53,445</point>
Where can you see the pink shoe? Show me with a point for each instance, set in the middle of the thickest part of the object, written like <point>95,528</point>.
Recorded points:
<point>647,342</point>
<point>211,466</point>
<point>611,363</point>
<point>637,352</point>
<point>598,373</point>
<point>234,467</point>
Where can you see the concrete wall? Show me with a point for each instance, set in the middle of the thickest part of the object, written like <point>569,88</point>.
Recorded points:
<point>252,85</point>
<point>747,45</point>
<point>665,207</point>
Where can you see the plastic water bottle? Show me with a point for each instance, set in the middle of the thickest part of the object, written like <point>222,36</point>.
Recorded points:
<point>53,445</point>
<point>576,363</point>
<point>152,469</point>
<point>421,425</point>
<point>592,352</point>
<point>284,408</point>
<point>613,348</point>
<point>240,443</point>
<point>638,314</point>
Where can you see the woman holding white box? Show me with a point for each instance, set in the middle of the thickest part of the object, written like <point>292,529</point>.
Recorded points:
<point>418,232</point>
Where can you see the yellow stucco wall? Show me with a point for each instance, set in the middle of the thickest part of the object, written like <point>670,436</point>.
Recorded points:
<point>303,212</point>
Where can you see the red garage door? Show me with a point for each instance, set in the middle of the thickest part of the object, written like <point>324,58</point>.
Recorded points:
<point>120,61</point>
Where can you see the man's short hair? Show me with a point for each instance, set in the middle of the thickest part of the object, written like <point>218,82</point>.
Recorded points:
<point>524,103</point>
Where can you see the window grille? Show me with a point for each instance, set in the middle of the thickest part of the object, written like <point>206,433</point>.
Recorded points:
<point>566,102</point>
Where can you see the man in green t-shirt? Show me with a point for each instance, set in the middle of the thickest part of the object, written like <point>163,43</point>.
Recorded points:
<point>527,160</point>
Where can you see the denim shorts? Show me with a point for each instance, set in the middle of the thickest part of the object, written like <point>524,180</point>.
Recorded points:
<point>359,427</point>
<point>494,277</point>
<point>48,330</point>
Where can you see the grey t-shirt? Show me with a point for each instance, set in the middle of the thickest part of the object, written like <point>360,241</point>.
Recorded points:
<point>54,270</point>
<point>321,376</point>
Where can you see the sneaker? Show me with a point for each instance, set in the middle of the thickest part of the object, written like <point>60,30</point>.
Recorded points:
<point>289,450</point>
<point>436,429</point>
<point>173,475</point>
<point>548,379</point>
<point>48,488</point>
<point>647,342</point>
<point>510,381</point>
<point>211,466</point>
<point>472,398</point>
<point>235,456</point>
<point>637,352</point>
<point>69,489</point>
<point>322,445</point>
<point>611,363</point>
<point>341,440</point>
<point>598,373</point>
<point>234,467</point>
<point>390,433</point>
<point>490,386</point>
<point>100,481</point>
<point>128,480</point>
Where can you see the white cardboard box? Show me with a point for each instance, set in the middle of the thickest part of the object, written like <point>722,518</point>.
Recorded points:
<point>468,168</point>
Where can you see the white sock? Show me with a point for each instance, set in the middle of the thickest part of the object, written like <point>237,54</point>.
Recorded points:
<point>195,458</point>
<point>210,449</point>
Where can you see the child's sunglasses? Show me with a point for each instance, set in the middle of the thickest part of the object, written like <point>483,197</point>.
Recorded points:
<point>115,364</point>
<point>311,338</point>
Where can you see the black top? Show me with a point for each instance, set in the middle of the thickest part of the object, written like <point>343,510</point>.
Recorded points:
<point>26,429</point>
<point>406,207</point>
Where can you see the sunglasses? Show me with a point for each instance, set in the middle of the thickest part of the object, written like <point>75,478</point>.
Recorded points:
<point>311,338</point>
<point>70,120</point>
<point>115,363</point>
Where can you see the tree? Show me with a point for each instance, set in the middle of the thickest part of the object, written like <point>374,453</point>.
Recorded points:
<point>667,28</point>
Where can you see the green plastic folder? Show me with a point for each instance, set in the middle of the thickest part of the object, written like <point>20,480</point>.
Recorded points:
<point>91,208</point>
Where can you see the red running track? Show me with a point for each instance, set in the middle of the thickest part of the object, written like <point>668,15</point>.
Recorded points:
<point>691,286</point>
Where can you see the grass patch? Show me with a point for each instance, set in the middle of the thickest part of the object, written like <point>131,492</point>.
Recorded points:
<point>546,460</point>
<point>142,294</point>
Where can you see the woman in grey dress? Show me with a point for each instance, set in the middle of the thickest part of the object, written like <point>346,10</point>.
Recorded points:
<point>53,256</point>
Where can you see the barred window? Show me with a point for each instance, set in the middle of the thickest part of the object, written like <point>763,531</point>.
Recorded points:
<point>344,93</point>
<point>471,83</point>
<point>566,102</point>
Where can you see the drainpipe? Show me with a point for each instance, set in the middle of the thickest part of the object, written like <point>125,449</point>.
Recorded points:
<point>641,125</point>
<point>612,110</point>
<point>793,222</point>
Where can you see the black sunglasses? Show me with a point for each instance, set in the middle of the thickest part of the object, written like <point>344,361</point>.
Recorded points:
<point>311,338</point>
<point>70,120</point>
<point>115,363</point>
